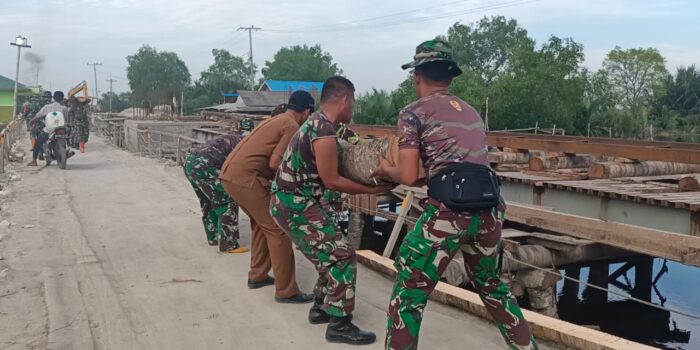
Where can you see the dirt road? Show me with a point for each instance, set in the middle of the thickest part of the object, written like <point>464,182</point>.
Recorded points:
<point>110,254</point>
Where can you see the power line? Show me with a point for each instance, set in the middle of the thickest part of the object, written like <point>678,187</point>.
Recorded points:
<point>110,74</point>
<point>342,28</point>
<point>238,38</point>
<point>605,289</point>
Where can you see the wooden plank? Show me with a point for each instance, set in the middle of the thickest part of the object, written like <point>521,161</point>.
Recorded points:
<point>398,225</point>
<point>543,327</point>
<point>677,247</point>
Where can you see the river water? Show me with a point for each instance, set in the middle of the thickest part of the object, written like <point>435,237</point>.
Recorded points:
<point>677,288</point>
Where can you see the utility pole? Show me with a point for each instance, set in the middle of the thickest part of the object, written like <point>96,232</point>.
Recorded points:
<point>110,80</point>
<point>94,68</point>
<point>250,61</point>
<point>20,42</point>
<point>487,113</point>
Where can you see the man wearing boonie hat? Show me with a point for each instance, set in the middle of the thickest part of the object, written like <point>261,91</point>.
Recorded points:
<point>464,210</point>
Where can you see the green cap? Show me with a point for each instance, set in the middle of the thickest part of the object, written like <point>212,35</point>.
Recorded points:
<point>432,51</point>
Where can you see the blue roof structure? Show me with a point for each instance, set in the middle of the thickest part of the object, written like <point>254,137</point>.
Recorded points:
<point>291,86</point>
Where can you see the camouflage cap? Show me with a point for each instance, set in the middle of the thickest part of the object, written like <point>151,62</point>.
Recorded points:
<point>432,51</point>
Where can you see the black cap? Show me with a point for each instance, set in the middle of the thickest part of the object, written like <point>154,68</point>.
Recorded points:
<point>302,100</point>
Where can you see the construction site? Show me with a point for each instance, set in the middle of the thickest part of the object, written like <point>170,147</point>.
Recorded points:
<point>530,179</point>
<point>596,228</point>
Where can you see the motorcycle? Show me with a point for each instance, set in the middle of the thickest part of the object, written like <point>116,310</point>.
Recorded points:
<point>56,147</point>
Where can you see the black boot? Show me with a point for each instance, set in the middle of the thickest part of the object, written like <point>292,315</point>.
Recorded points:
<point>316,315</point>
<point>341,330</point>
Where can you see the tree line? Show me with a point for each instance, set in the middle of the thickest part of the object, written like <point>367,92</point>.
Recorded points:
<point>520,84</point>
<point>160,77</point>
<point>508,77</point>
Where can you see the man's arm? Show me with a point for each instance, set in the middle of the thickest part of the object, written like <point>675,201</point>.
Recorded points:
<point>39,115</point>
<point>406,172</point>
<point>278,152</point>
<point>326,151</point>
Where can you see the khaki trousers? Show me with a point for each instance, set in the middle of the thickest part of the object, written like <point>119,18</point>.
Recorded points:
<point>270,247</point>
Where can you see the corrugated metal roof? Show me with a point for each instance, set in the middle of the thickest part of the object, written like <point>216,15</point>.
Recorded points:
<point>291,86</point>
<point>9,84</point>
<point>256,102</point>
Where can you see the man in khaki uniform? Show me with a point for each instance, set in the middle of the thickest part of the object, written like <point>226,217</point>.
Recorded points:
<point>246,176</point>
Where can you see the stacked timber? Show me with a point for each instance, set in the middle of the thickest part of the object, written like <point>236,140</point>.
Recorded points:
<point>690,183</point>
<point>563,162</point>
<point>509,158</point>
<point>610,170</point>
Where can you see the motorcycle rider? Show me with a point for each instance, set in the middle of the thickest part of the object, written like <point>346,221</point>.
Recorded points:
<point>42,136</point>
<point>34,126</point>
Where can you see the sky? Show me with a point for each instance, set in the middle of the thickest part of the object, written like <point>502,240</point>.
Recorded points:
<point>368,39</point>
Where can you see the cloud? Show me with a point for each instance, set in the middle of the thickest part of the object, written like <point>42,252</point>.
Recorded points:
<point>69,33</point>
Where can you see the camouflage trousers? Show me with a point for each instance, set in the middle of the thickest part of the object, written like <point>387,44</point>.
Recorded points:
<point>80,131</point>
<point>311,226</point>
<point>423,257</point>
<point>219,211</point>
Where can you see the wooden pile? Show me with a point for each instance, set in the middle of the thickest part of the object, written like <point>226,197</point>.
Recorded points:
<point>583,167</point>
<point>357,162</point>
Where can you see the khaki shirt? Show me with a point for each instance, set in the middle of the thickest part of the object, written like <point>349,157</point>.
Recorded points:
<point>251,157</point>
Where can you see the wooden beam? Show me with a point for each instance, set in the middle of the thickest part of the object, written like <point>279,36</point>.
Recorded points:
<point>640,150</point>
<point>678,152</point>
<point>673,246</point>
<point>611,170</point>
<point>543,327</point>
<point>566,162</point>
<point>689,183</point>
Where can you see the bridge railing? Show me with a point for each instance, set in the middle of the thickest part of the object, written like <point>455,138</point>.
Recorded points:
<point>8,136</point>
<point>165,145</point>
<point>110,127</point>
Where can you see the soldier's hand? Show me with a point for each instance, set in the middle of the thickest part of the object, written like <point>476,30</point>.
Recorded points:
<point>383,168</point>
<point>381,189</point>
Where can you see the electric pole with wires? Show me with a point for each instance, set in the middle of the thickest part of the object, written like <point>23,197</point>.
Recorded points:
<point>250,57</point>
<point>94,68</point>
<point>110,80</point>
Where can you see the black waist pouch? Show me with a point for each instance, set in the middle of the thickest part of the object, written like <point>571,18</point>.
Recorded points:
<point>466,187</point>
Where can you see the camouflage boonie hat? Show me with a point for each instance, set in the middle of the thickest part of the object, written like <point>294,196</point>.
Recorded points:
<point>432,51</point>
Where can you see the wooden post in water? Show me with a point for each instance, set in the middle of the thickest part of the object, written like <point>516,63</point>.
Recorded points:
<point>597,276</point>
<point>643,276</point>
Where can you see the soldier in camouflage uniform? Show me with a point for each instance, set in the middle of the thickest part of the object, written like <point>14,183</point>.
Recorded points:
<point>34,126</point>
<point>78,123</point>
<point>334,199</point>
<point>308,169</point>
<point>245,126</point>
<point>219,211</point>
<point>440,129</point>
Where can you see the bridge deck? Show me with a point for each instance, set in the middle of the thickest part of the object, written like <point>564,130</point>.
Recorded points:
<point>110,254</point>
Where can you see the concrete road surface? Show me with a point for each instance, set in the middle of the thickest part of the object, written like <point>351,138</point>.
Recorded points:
<point>110,254</point>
